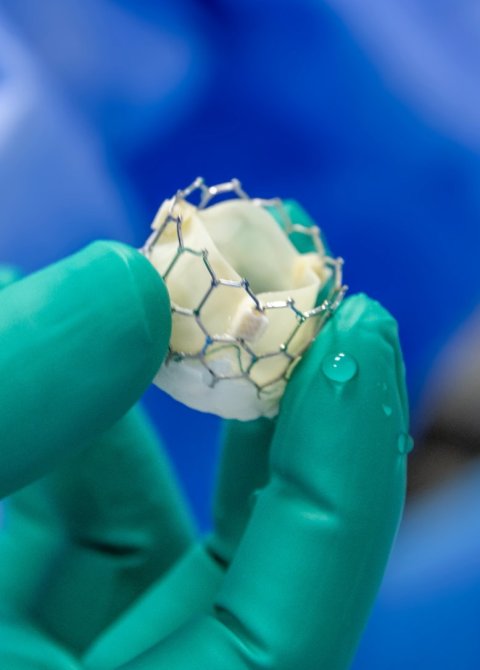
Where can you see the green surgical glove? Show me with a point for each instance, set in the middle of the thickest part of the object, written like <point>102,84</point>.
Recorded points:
<point>98,568</point>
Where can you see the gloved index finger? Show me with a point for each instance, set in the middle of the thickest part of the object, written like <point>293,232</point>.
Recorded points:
<point>79,343</point>
<point>313,556</point>
<point>301,585</point>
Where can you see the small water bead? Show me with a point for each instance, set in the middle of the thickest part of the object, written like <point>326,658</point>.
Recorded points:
<point>387,410</point>
<point>405,443</point>
<point>339,367</point>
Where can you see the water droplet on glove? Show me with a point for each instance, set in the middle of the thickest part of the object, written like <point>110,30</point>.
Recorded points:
<point>339,367</point>
<point>405,443</point>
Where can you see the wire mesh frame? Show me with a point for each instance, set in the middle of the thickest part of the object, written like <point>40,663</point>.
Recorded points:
<point>242,349</point>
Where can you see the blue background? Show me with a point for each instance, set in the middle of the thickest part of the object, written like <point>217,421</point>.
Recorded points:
<point>363,115</point>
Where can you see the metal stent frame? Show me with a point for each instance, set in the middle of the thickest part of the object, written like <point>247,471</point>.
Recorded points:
<point>246,356</point>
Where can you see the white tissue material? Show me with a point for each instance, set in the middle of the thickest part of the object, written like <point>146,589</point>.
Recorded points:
<point>241,295</point>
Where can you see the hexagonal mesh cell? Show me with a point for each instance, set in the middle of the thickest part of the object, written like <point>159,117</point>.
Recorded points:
<point>218,320</point>
<point>181,290</point>
<point>187,333</point>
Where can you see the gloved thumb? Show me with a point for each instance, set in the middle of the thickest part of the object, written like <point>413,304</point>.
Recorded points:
<point>79,343</point>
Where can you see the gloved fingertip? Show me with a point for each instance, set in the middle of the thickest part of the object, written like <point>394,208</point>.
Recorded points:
<point>145,290</point>
<point>81,341</point>
<point>360,310</point>
<point>362,319</point>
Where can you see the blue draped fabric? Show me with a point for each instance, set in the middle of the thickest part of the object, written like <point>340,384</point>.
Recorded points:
<point>361,113</point>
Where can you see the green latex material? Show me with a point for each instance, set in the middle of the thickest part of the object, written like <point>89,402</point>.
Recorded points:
<point>305,511</point>
<point>79,343</point>
<point>8,275</point>
<point>98,537</point>
<point>191,587</point>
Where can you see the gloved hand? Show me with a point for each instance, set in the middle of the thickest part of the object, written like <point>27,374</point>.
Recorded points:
<point>306,507</point>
